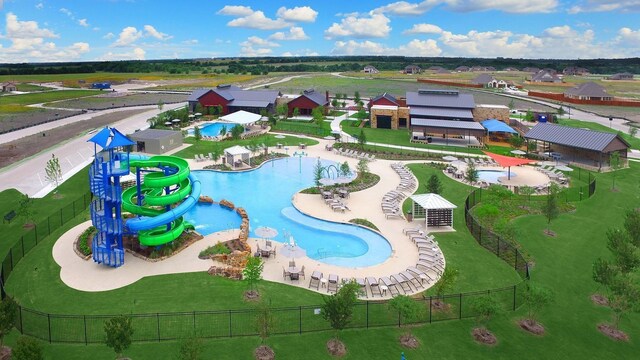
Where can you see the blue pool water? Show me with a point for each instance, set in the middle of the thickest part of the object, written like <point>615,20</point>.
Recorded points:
<point>213,129</point>
<point>266,195</point>
<point>492,176</point>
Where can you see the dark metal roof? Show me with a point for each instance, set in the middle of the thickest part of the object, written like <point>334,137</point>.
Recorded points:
<point>573,137</point>
<point>441,112</point>
<point>249,103</point>
<point>444,99</point>
<point>385,96</point>
<point>450,124</point>
<point>482,79</point>
<point>589,89</point>
<point>197,94</point>
<point>315,96</point>
<point>150,134</point>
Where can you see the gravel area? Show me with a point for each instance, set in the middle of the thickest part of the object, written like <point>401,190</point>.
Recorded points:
<point>111,100</point>
<point>28,146</point>
<point>21,120</point>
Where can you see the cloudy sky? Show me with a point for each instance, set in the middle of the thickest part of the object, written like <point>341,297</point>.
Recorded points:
<point>70,30</point>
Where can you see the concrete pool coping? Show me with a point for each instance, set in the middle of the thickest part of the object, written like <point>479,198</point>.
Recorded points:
<point>89,276</point>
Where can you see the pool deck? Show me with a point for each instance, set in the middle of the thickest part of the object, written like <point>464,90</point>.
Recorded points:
<point>85,275</point>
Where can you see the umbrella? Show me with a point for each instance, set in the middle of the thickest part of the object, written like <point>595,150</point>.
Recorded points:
<point>329,137</point>
<point>191,116</point>
<point>518,152</point>
<point>449,158</point>
<point>279,136</point>
<point>266,232</point>
<point>338,180</point>
<point>176,120</point>
<point>291,250</point>
<point>198,114</point>
<point>564,168</point>
<point>167,123</point>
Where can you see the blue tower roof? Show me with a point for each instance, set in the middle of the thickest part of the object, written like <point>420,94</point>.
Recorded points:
<point>101,138</point>
<point>119,140</point>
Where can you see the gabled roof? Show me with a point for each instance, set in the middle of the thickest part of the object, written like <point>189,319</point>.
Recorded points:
<point>573,137</point>
<point>440,98</point>
<point>448,124</point>
<point>432,201</point>
<point>589,89</point>
<point>462,68</point>
<point>234,94</point>
<point>385,96</point>
<point>237,150</point>
<point>544,76</point>
<point>197,94</point>
<point>101,138</point>
<point>315,96</point>
<point>483,79</point>
<point>241,117</point>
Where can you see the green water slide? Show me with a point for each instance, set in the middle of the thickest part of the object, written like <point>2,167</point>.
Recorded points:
<point>156,225</point>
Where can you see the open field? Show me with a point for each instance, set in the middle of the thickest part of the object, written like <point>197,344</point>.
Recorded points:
<point>44,97</point>
<point>115,99</point>
<point>203,81</point>
<point>21,116</point>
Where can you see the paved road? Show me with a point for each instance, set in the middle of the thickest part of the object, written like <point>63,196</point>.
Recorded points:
<point>285,79</point>
<point>28,176</point>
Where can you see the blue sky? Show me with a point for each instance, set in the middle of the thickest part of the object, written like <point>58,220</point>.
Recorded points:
<point>82,30</point>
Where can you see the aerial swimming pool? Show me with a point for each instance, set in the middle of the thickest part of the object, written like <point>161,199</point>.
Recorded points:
<point>214,128</point>
<point>266,195</point>
<point>493,176</point>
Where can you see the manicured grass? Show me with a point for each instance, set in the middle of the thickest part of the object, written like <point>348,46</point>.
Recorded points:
<point>304,127</point>
<point>204,147</point>
<point>633,141</point>
<point>30,87</point>
<point>47,96</point>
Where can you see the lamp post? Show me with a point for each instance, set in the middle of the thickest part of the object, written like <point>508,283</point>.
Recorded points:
<point>610,121</point>
<point>300,155</point>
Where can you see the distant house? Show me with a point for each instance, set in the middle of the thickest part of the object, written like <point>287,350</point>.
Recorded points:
<point>550,71</point>
<point>232,98</point>
<point>443,71</point>
<point>412,69</point>
<point>9,87</point>
<point>462,69</point>
<point>511,69</point>
<point>588,91</point>
<point>370,70</point>
<point>101,85</point>
<point>532,70</point>
<point>307,101</point>
<point>621,76</point>
<point>435,68</point>
<point>545,76</point>
<point>575,71</point>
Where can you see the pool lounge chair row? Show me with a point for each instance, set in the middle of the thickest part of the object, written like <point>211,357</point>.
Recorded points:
<point>336,205</point>
<point>202,157</point>
<point>355,154</point>
<point>391,204</point>
<point>406,280</point>
<point>480,161</point>
<point>407,180</point>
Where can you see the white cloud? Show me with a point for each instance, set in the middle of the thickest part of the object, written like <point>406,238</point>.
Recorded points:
<point>424,29</point>
<point>222,41</point>
<point>16,29</point>
<point>295,33</point>
<point>257,20</point>
<point>191,42</point>
<point>301,14</point>
<point>628,37</point>
<point>134,54</point>
<point>605,5</point>
<point>250,51</point>
<point>151,31</point>
<point>305,52</point>
<point>376,26</point>
<point>560,32</point>
<point>404,8</point>
<point>259,42</point>
<point>109,36</point>
<point>234,10</point>
<point>128,36</point>
<point>66,12</point>
<point>83,22</point>
<point>39,6</point>
<point>413,48</point>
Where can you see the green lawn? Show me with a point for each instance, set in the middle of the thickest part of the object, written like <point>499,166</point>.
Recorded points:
<point>47,96</point>
<point>633,141</point>
<point>204,147</point>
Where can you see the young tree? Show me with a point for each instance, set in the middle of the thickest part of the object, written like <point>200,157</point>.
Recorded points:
<point>190,349</point>
<point>199,108</point>
<point>356,97</point>
<point>223,131</point>
<point>296,112</point>
<point>160,105</point>
<point>363,167</point>
<point>25,209</point>
<point>632,226</point>
<point>236,131</point>
<point>361,114</point>
<point>633,131</point>
<point>528,116</point>
<point>282,110</point>
<point>318,115</point>
<point>53,172</point>
<point>512,104</point>
<point>343,104</point>
<point>27,348</point>
<point>219,109</point>
<point>334,103</point>
<point>318,170</point>
<point>472,174</point>
<point>516,141</point>
<point>446,281</point>
<point>407,308</point>
<point>616,164</point>
<point>197,134</point>
<point>8,312</point>
<point>550,207</point>
<point>345,170</point>
<point>119,334</point>
<point>265,321</point>
<point>535,298</point>
<point>252,273</point>
<point>434,186</point>
<point>561,111</point>
<point>485,307</point>
<point>362,139</point>
<point>338,308</point>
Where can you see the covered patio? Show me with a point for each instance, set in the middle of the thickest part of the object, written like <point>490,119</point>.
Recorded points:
<point>436,210</point>
<point>447,132</point>
<point>241,117</point>
<point>498,130</point>
<point>238,156</point>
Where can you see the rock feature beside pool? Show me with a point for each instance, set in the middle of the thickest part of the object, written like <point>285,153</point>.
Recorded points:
<point>235,262</point>
<point>227,204</point>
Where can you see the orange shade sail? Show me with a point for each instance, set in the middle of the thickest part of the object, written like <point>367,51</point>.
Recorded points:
<point>508,161</point>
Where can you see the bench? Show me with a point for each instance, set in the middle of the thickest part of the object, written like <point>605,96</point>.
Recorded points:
<point>9,216</point>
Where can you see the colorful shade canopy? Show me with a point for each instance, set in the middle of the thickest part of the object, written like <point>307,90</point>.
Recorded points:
<point>508,161</point>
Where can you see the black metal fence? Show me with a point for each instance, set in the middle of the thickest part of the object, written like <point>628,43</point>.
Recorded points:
<point>504,249</point>
<point>234,323</point>
<point>41,230</point>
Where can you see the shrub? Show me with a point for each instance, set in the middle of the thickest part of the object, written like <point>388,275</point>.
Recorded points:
<point>218,248</point>
<point>82,240</point>
<point>27,348</point>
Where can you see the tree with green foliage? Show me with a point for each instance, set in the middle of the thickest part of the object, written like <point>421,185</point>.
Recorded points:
<point>252,273</point>
<point>561,111</point>
<point>53,172</point>
<point>160,105</point>
<point>190,348</point>
<point>338,308</point>
<point>356,97</point>
<point>296,112</point>
<point>219,109</point>
<point>446,281</point>
<point>361,114</point>
<point>528,116</point>
<point>516,141</point>
<point>199,108</point>
<point>633,131</point>
<point>362,139</point>
<point>550,208</point>
<point>223,132</point>
<point>532,146</point>
<point>27,348</point>
<point>535,298</point>
<point>8,314</point>
<point>485,308</point>
<point>334,103</point>
<point>236,132</point>
<point>408,309</point>
<point>472,174</point>
<point>265,321</point>
<point>434,185</point>
<point>512,104</point>
<point>282,110</point>
<point>197,134</point>
<point>344,104</point>
<point>363,167</point>
<point>345,170</point>
<point>527,191</point>
<point>632,226</point>
<point>25,209</point>
<point>616,164</point>
<point>318,115</point>
<point>318,171</point>
<point>119,334</point>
